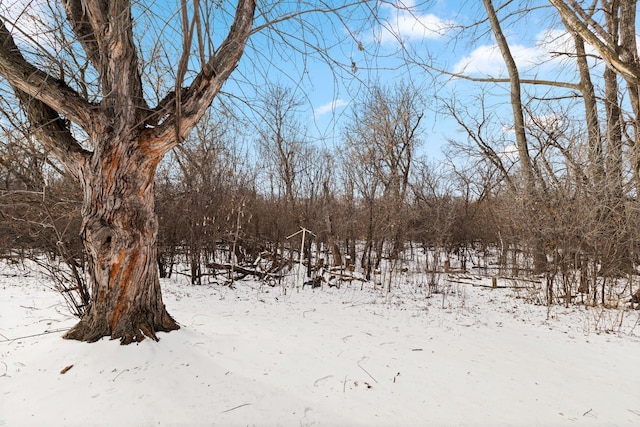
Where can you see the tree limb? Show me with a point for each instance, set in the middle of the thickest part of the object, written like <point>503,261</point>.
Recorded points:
<point>566,85</point>
<point>629,70</point>
<point>85,27</point>
<point>54,133</point>
<point>25,77</point>
<point>34,92</point>
<point>105,31</point>
<point>200,94</point>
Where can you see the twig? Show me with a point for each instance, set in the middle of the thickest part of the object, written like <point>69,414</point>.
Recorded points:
<point>236,407</point>
<point>315,384</point>
<point>634,326</point>
<point>367,372</point>
<point>121,372</point>
<point>35,335</point>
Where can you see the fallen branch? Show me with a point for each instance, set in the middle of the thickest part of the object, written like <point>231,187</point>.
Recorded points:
<point>236,407</point>
<point>319,380</point>
<point>121,372</point>
<point>480,285</point>
<point>367,372</point>
<point>35,335</point>
<point>241,271</point>
<point>346,277</point>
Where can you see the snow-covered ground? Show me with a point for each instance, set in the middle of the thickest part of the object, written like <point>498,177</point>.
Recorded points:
<point>472,356</point>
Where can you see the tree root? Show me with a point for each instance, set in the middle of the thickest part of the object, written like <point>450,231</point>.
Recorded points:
<point>132,328</point>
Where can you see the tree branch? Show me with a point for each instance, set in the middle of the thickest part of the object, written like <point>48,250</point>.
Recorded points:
<point>202,91</point>
<point>25,77</point>
<point>40,95</point>
<point>567,85</point>
<point>105,31</point>
<point>84,27</point>
<point>630,71</point>
<point>54,133</point>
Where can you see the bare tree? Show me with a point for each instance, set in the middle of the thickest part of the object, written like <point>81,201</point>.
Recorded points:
<point>282,138</point>
<point>383,133</point>
<point>526,166</point>
<point>615,42</point>
<point>364,193</point>
<point>596,168</point>
<point>116,95</point>
<point>125,140</point>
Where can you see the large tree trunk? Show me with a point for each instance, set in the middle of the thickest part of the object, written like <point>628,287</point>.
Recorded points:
<point>119,232</point>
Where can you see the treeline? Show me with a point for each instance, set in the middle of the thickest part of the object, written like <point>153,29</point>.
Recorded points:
<point>225,198</point>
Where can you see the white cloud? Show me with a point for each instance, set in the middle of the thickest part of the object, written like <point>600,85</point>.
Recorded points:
<point>487,60</point>
<point>329,107</point>
<point>484,60</point>
<point>548,49</point>
<point>405,24</point>
<point>509,153</point>
<point>547,122</point>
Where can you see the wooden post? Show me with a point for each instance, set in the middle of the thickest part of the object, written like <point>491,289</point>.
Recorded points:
<point>304,232</point>
<point>494,282</point>
<point>300,266</point>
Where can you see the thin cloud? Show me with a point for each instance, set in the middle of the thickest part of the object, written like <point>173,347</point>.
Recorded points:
<point>406,24</point>
<point>550,47</point>
<point>487,60</point>
<point>330,107</point>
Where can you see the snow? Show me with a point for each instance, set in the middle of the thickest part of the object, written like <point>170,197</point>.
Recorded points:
<point>472,356</point>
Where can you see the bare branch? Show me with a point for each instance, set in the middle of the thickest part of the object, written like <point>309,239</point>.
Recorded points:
<point>629,70</point>
<point>200,94</point>
<point>84,27</point>
<point>540,82</point>
<point>54,133</point>
<point>25,77</point>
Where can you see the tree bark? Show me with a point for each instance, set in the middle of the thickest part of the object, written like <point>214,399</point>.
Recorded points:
<point>629,54</point>
<point>119,231</point>
<point>596,160</point>
<point>516,100</point>
<point>596,36</point>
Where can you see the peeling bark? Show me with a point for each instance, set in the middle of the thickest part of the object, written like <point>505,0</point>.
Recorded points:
<point>119,232</point>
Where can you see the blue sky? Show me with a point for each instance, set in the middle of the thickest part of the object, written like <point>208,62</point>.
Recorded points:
<point>426,33</point>
<point>329,62</point>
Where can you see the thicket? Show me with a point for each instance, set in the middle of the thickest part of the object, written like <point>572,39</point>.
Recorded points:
<point>217,219</point>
